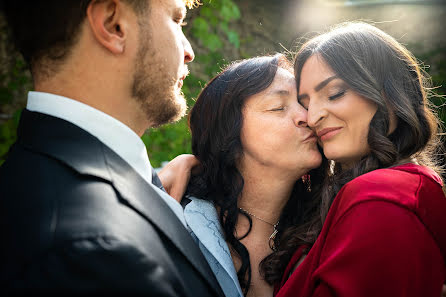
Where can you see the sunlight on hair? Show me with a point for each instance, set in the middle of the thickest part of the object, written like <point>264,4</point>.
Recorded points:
<point>192,3</point>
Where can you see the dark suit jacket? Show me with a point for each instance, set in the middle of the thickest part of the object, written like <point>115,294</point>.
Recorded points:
<point>76,218</point>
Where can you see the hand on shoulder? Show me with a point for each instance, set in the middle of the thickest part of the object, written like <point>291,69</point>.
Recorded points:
<point>176,174</point>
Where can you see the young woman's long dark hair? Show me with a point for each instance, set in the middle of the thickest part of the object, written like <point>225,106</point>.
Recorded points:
<point>215,122</point>
<point>380,69</point>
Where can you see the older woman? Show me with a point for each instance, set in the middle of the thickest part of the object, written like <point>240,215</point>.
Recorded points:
<point>251,137</point>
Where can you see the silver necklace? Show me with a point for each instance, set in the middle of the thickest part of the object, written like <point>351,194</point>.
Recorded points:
<point>273,235</point>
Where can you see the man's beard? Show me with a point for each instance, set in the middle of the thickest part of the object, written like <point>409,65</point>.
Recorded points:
<point>154,89</point>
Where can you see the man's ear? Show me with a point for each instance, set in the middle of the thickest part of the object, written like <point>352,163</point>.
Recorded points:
<point>106,19</point>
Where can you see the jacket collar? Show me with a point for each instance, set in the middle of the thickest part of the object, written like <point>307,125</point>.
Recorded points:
<point>202,218</point>
<point>84,153</point>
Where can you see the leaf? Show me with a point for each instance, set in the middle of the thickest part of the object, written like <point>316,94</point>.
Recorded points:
<point>235,12</point>
<point>199,27</point>
<point>224,27</point>
<point>226,13</point>
<point>229,11</point>
<point>212,42</point>
<point>206,12</point>
<point>233,38</point>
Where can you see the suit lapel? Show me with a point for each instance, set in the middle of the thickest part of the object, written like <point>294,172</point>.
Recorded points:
<point>84,153</point>
<point>144,199</point>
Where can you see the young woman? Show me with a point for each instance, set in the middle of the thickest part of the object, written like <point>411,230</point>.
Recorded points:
<point>382,221</point>
<point>251,137</point>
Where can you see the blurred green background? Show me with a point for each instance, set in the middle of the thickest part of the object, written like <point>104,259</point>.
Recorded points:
<point>221,31</point>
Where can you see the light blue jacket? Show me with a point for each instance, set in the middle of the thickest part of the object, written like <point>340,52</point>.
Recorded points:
<point>202,219</point>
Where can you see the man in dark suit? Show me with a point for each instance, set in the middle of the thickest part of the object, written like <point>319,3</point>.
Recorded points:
<point>78,208</point>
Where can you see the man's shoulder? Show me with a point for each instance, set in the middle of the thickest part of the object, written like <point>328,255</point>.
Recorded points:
<point>50,207</point>
<point>40,188</point>
<point>40,194</point>
<point>28,171</point>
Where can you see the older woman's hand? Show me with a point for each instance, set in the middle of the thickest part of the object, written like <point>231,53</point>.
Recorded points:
<point>176,174</point>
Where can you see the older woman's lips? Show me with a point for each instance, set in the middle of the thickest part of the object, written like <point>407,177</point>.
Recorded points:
<point>310,137</point>
<point>328,133</point>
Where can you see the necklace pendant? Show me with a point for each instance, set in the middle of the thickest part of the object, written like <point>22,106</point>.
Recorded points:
<point>273,235</point>
<point>271,240</point>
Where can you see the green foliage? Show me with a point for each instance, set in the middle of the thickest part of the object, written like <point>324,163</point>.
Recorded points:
<point>167,142</point>
<point>12,84</point>
<point>213,20</point>
<point>211,30</point>
<point>13,81</point>
<point>434,62</point>
<point>8,134</point>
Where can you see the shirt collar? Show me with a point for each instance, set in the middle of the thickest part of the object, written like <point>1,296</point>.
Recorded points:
<point>113,133</point>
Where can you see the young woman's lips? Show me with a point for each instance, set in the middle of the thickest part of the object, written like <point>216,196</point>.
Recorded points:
<point>328,133</point>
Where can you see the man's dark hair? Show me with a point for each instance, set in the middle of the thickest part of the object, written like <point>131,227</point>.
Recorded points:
<point>45,31</point>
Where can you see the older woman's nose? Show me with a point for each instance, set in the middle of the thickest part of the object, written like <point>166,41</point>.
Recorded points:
<point>300,118</point>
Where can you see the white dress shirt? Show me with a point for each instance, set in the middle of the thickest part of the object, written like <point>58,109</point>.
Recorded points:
<point>113,133</point>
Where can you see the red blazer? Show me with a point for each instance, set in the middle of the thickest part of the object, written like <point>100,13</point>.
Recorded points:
<point>385,235</point>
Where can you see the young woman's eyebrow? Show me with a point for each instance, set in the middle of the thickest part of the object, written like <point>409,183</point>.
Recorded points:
<point>325,82</point>
<point>319,87</point>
